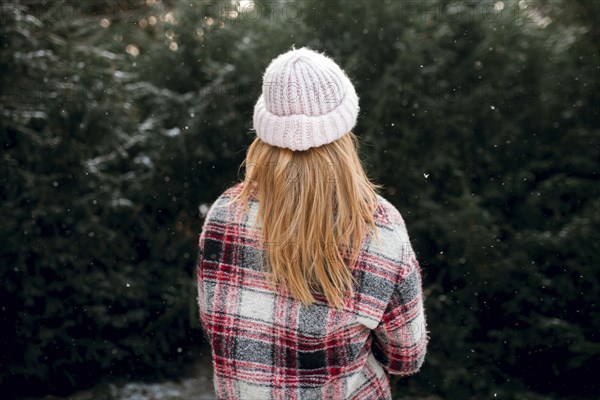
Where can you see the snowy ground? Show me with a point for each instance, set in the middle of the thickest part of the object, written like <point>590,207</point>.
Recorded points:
<point>198,386</point>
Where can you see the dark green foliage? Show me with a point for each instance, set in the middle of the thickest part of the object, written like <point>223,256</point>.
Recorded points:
<point>482,124</point>
<point>98,248</point>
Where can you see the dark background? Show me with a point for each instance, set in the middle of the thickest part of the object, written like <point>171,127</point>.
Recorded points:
<point>123,120</point>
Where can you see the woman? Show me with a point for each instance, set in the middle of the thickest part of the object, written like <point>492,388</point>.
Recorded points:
<point>308,285</point>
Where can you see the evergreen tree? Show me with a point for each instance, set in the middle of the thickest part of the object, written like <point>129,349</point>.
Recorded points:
<point>121,123</point>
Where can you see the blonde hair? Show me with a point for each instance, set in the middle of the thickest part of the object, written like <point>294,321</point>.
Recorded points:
<point>315,206</point>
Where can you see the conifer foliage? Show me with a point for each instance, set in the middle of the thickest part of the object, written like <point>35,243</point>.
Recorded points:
<point>123,120</point>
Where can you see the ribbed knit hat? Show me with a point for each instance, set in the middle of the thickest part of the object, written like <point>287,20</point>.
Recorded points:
<point>307,101</point>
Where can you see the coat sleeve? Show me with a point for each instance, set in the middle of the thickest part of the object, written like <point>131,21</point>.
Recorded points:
<point>201,295</point>
<point>400,340</point>
<point>200,280</point>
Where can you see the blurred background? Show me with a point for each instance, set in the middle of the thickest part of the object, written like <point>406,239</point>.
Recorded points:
<point>122,120</point>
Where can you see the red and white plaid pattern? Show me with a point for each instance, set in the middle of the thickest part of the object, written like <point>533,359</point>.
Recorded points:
<point>268,346</point>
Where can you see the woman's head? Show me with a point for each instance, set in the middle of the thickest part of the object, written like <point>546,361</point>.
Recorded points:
<point>307,101</point>
<point>316,203</point>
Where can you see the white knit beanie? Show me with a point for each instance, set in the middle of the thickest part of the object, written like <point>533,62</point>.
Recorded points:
<point>307,101</point>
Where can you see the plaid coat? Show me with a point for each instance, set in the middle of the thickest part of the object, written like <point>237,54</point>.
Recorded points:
<point>266,345</point>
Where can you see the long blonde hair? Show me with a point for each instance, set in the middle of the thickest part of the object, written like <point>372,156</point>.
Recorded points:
<point>315,206</point>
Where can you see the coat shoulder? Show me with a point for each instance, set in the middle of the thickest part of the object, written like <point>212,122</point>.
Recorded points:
<point>386,213</point>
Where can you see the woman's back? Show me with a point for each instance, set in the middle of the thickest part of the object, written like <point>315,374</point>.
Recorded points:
<point>268,345</point>
<point>308,285</point>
